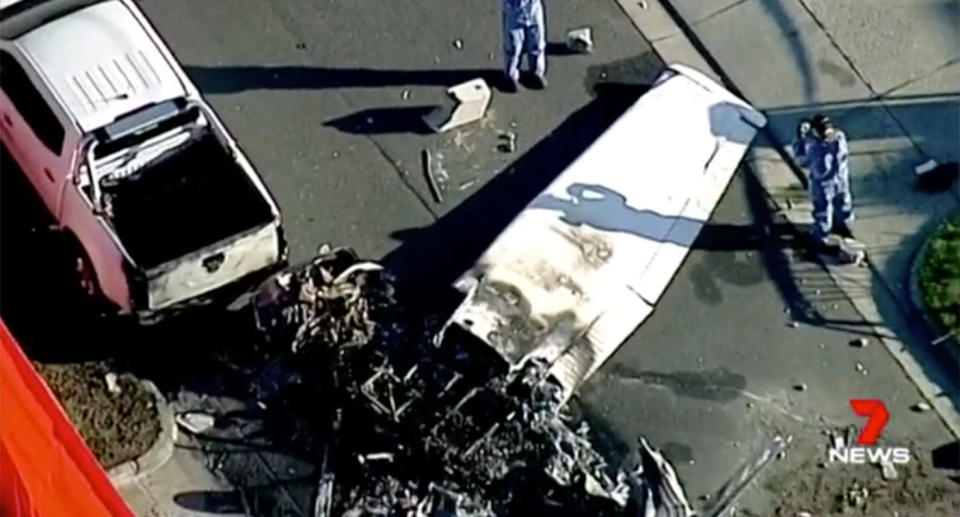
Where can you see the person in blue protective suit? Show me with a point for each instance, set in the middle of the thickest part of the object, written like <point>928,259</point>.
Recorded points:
<point>821,148</point>
<point>524,34</point>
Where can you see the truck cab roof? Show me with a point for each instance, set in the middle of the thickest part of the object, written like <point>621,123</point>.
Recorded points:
<point>97,57</point>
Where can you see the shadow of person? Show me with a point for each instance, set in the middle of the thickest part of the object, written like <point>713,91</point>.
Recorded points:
<point>605,209</point>
<point>468,229</point>
<point>727,121</point>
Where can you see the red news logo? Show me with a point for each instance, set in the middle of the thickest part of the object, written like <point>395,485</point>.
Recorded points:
<point>875,411</point>
<point>878,416</point>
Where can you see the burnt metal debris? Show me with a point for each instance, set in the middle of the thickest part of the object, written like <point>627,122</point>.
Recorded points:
<point>402,427</point>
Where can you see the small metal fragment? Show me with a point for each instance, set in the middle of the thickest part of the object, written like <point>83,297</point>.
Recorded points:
<point>431,179</point>
<point>508,142</point>
<point>195,421</point>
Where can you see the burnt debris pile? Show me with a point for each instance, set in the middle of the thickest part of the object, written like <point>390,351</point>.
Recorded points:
<point>403,427</point>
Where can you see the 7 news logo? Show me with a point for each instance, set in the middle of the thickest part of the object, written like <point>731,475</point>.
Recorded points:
<point>866,452</point>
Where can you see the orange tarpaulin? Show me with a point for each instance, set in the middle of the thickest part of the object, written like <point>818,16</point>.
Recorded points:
<point>45,468</point>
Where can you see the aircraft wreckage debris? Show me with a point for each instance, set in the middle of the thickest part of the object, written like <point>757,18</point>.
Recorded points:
<point>407,428</point>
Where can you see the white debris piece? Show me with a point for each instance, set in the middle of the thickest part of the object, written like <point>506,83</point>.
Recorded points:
<point>800,387</point>
<point>852,252</point>
<point>580,40</point>
<point>921,407</point>
<point>925,167</point>
<point>838,442</point>
<point>195,421</point>
<point>860,342</point>
<point>112,385</point>
<point>458,43</point>
<point>888,470</point>
<point>470,102</point>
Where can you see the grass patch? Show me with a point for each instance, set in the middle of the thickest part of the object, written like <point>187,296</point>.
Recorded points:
<point>940,276</point>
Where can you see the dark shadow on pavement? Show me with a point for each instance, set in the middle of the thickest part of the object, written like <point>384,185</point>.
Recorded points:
<point>779,238</point>
<point>791,35</point>
<point>384,120</point>
<point>947,456</point>
<point>436,255</point>
<point>250,499</point>
<point>231,79</point>
<point>210,501</point>
<point>930,107</point>
<point>555,48</point>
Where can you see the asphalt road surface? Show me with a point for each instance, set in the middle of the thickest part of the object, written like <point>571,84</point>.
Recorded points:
<point>325,98</point>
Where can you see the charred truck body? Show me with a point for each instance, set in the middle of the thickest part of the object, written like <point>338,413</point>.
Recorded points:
<point>162,206</point>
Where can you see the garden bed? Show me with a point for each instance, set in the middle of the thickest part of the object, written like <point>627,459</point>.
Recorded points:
<point>117,427</point>
<point>940,276</point>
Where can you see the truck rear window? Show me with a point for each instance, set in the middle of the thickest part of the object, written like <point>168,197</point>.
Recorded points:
<point>129,130</point>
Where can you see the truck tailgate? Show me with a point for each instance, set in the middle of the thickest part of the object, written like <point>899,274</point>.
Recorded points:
<point>212,267</point>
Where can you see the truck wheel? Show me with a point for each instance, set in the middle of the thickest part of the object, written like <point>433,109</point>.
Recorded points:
<point>85,276</point>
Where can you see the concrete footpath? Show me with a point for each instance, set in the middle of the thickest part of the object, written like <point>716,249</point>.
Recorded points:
<point>888,72</point>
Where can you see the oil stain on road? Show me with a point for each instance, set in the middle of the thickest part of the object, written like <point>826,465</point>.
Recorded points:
<point>718,385</point>
<point>736,269</point>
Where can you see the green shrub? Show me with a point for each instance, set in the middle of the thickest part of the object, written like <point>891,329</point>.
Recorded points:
<point>940,276</point>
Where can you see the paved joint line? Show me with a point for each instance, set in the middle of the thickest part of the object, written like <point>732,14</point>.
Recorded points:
<point>403,177</point>
<point>687,31</point>
<point>718,12</point>
<point>859,74</point>
<point>665,38</point>
<point>836,46</point>
<point>382,152</point>
<point>924,75</point>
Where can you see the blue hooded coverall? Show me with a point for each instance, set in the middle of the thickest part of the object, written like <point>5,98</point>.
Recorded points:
<point>524,33</point>
<point>826,160</point>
